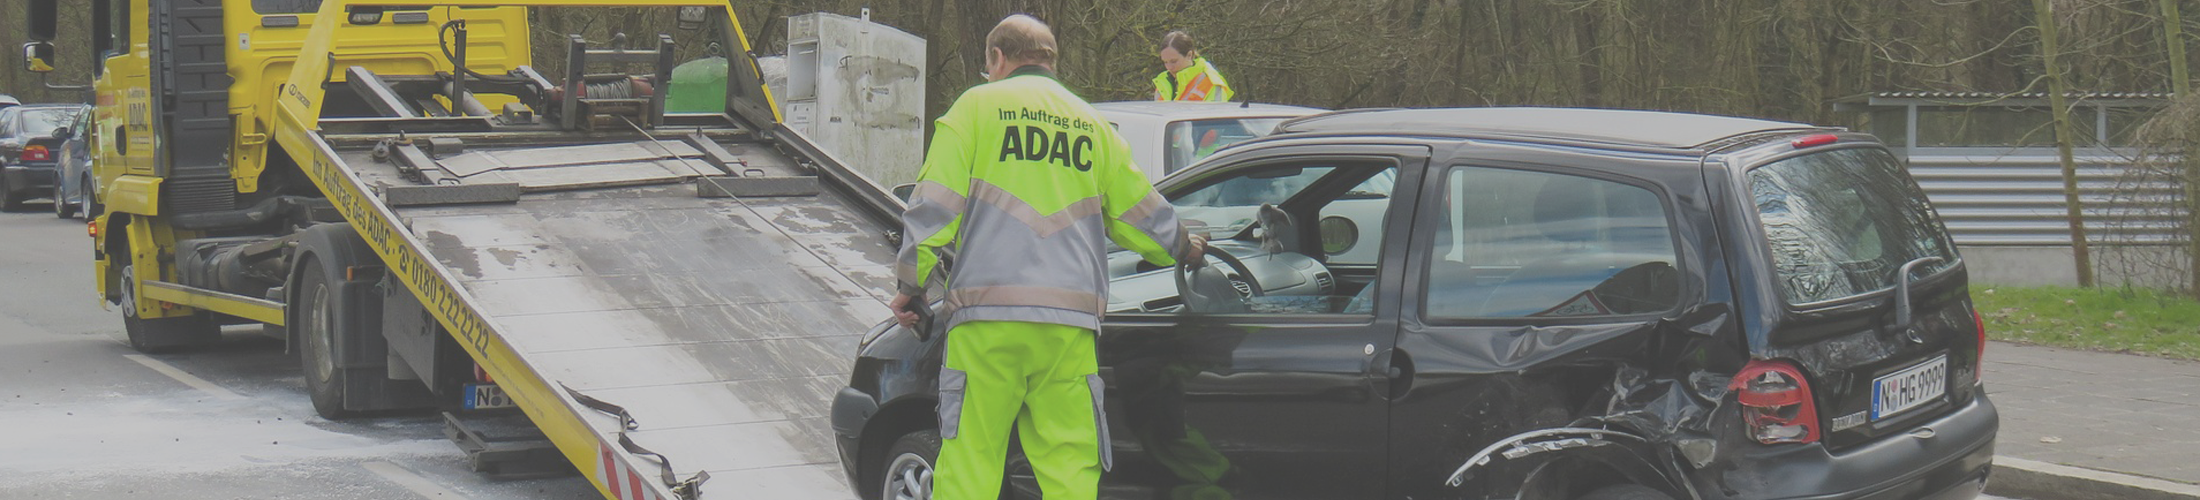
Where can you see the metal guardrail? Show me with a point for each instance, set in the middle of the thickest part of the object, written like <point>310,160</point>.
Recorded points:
<point>2015,198</point>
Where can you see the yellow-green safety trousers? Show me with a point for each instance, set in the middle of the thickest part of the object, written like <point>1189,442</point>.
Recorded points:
<point>1043,380</point>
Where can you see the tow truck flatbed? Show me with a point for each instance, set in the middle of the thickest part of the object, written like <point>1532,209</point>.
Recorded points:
<point>669,304</point>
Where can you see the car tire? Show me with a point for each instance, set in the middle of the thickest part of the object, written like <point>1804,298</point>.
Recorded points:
<point>10,201</point>
<point>61,209</point>
<point>89,206</point>
<point>906,472</point>
<point>161,335</point>
<point>1626,492</point>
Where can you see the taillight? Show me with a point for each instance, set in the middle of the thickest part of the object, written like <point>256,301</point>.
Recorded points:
<point>37,153</point>
<point>1776,402</point>
<point>1978,364</point>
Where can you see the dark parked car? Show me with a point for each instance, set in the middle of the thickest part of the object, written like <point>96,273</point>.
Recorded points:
<point>1566,304</point>
<point>75,186</point>
<point>28,147</point>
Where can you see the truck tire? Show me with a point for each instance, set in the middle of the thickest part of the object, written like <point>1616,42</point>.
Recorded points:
<point>906,473</point>
<point>1626,492</point>
<point>319,318</point>
<point>335,318</point>
<point>161,335</point>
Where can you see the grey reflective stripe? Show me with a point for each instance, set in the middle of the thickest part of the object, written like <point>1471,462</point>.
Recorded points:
<point>1031,296</point>
<point>933,206</point>
<point>1047,315</point>
<point>1154,216</point>
<point>1100,419</point>
<point>953,382</point>
<point>1044,225</point>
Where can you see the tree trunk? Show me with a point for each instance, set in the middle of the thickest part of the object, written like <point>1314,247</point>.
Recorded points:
<point>2080,249</point>
<point>2180,82</point>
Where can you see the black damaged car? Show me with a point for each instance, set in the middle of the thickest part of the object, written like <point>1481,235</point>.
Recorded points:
<point>1561,304</point>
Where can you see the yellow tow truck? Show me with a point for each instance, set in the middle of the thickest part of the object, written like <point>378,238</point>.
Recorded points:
<point>430,222</point>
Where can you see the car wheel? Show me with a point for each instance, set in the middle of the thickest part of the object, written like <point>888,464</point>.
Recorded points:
<point>10,201</point>
<point>61,209</point>
<point>907,474</point>
<point>160,335</point>
<point>85,202</point>
<point>1626,492</point>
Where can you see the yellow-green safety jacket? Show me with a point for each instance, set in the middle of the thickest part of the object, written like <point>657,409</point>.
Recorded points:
<point>1027,184</point>
<point>1197,82</point>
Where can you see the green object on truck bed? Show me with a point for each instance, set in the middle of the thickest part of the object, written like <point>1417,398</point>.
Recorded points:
<point>698,86</point>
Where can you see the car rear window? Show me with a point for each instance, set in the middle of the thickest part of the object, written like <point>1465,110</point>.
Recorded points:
<point>40,122</point>
<point>1193,140</point>
<point>1841,223</point>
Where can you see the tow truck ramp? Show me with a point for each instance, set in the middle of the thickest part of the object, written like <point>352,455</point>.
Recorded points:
<point>669,298</point>
<point>720,325</point>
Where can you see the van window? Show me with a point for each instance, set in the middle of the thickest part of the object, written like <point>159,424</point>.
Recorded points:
<point>1521,244</point>
<point>1840,223</point>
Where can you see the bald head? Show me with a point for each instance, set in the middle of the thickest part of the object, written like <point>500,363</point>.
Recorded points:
<point>1022,40</point>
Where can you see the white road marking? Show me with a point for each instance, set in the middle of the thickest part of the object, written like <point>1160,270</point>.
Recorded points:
<point>185,377</point>
<point>410,481</point>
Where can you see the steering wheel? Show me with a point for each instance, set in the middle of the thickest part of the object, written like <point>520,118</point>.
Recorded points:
<point>1214,292</point>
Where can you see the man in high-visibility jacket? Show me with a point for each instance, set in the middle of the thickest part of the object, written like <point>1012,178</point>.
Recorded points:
<point>1027,184</point>
<point>1186,76</point>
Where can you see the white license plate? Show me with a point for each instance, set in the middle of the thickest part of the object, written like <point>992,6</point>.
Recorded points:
<point>486,396</point>
<point>1912,387</point>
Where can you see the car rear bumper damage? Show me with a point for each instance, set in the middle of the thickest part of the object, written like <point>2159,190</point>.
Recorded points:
<point>1947,458</point>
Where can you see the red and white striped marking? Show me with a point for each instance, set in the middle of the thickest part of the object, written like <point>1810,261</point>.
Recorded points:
<point>620,477</point>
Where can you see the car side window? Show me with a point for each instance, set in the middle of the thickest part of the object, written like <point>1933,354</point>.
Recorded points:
<point>1530,244</point>
<point>1275,221</point>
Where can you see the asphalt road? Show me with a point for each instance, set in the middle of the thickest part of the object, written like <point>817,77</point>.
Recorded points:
<point>87,417</point>
<point>90,418</point>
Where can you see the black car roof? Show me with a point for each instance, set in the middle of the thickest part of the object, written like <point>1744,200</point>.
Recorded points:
<point>1652,129</point>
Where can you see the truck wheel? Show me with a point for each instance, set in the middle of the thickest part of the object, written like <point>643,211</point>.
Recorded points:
<point>160,335</point>
<point>1626,492</point>
<point>61,209</point>
<point>320,313</point>
<point>908,468</point>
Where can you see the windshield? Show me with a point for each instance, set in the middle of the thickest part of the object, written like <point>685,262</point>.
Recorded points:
<point>41,122</point>
<point>1191,140</point>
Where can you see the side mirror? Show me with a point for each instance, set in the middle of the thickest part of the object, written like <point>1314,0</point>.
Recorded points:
<point>63,132</point>
<point>903,191</point>
<point>38,57</point>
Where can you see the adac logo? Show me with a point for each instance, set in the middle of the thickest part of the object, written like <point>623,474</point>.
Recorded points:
<point>1039,143</point>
